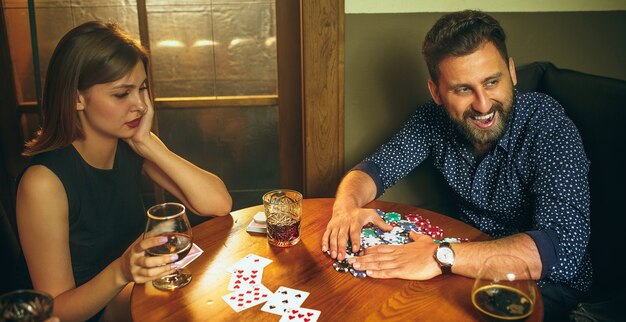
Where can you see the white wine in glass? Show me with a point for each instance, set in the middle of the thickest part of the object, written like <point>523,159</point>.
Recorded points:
<point>170,220</point>
<point>503,289</point>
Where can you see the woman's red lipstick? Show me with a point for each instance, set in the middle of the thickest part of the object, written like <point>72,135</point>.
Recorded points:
<point>134,123</point>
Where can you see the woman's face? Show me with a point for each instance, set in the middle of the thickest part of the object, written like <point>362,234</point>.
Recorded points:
<point>113,110</point>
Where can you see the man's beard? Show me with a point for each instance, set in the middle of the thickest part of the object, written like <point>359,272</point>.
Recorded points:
<point>477,135</point>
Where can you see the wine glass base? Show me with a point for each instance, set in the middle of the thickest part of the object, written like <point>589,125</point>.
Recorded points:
<point>179,279</point>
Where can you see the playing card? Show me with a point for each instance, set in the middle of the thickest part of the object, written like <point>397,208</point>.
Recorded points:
<point>283,299</point>
<point>244,299</point>
<point>251,261</point>
<point>193,254</point>
<point>244,278</point>
<point>300,314</point>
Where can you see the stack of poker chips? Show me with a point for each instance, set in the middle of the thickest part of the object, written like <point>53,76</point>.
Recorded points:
<point>399,235</point>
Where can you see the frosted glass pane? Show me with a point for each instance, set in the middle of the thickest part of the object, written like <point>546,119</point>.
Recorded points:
<point>104,3</point>
<point>52,24</point>
<point>246,58</point>
<point>125,16</point>
<point>181,42</point>
<point>178,2</point>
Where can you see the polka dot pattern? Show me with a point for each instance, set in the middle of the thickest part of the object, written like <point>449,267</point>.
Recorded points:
<point>534,179</point>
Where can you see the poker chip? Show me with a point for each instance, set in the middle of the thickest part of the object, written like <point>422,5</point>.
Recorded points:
<point>397,236</point>
<point>407,226</point>
<point>434,232</point>
<point>357,273</point>
<point>342,266</point>
<point>368,232</point>
<point>392,217</point>
<point>372,235</point>
<point>455,240</point>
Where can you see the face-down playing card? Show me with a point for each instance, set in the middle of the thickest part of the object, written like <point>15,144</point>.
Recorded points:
<point>193,254</point>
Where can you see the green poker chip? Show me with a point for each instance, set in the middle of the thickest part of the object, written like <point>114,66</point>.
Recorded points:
<point>392,217</point>
<point>368,232</point>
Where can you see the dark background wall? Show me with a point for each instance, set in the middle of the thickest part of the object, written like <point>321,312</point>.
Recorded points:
<point>386,76</point>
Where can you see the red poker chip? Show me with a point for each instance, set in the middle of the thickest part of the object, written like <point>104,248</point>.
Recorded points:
<point>424,223</point>
<point>434,232</point>
<point>414,218</point>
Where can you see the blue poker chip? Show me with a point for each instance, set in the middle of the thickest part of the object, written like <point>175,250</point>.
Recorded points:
<point>357,273</point>
<point>406,225</point>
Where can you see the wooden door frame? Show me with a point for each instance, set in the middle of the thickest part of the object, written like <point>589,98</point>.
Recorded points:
<point>322,25</point>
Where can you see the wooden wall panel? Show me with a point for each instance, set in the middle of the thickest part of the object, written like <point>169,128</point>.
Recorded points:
<point>323,83</point>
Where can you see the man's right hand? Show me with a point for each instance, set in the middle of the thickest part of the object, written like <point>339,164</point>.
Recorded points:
<point>347,223</point>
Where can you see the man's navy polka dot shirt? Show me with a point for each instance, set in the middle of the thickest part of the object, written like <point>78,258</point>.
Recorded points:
<point>534,180</point>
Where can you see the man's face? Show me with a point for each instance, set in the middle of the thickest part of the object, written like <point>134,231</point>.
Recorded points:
<point>477,92</point>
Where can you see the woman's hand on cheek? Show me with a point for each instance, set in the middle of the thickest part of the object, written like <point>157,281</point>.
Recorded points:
<point>142,135</point>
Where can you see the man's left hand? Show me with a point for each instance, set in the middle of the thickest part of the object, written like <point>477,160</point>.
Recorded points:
<point>412,261</point>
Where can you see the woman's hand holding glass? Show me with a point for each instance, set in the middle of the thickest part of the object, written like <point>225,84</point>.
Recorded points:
<point>139,267</point>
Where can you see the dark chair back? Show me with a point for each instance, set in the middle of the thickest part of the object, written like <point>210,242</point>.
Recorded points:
<point>597,105</point>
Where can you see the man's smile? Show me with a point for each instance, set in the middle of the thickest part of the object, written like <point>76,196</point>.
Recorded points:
<point>484,121</point>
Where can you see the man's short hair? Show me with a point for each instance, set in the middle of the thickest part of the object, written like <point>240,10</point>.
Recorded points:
<point>459,34</point>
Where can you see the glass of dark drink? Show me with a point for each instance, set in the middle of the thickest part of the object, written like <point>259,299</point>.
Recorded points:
<point>170,220</point>
<point>283,212</point>
<point>504,289</point>
<point>25,306</point>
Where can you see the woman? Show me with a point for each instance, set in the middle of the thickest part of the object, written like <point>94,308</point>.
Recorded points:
<point>79,209</point>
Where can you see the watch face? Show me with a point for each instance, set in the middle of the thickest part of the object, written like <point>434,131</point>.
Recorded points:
<point>445,255</point>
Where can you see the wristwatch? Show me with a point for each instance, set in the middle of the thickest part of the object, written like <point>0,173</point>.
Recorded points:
<point>445,257</point>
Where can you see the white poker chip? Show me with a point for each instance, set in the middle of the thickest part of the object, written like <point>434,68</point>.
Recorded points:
<point>260,218</point>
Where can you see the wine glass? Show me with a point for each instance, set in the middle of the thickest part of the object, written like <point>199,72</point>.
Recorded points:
<point>26,305</point>
<point>503,289</point>
<point>170,220</point>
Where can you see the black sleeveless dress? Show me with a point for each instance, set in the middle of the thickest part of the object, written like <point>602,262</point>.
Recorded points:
<point>106,212</point>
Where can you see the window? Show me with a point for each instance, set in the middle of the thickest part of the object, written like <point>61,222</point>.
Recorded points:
<point>214,70</point>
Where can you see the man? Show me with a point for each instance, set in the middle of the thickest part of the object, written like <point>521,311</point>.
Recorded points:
<point>515,162</point>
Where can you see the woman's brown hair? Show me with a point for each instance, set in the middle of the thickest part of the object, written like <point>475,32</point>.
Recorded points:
<point>92,53</point>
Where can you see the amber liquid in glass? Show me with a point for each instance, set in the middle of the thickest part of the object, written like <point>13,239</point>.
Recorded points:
<point>502,303</point>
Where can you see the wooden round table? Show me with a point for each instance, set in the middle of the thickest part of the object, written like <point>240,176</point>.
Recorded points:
<point>339,296</point>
